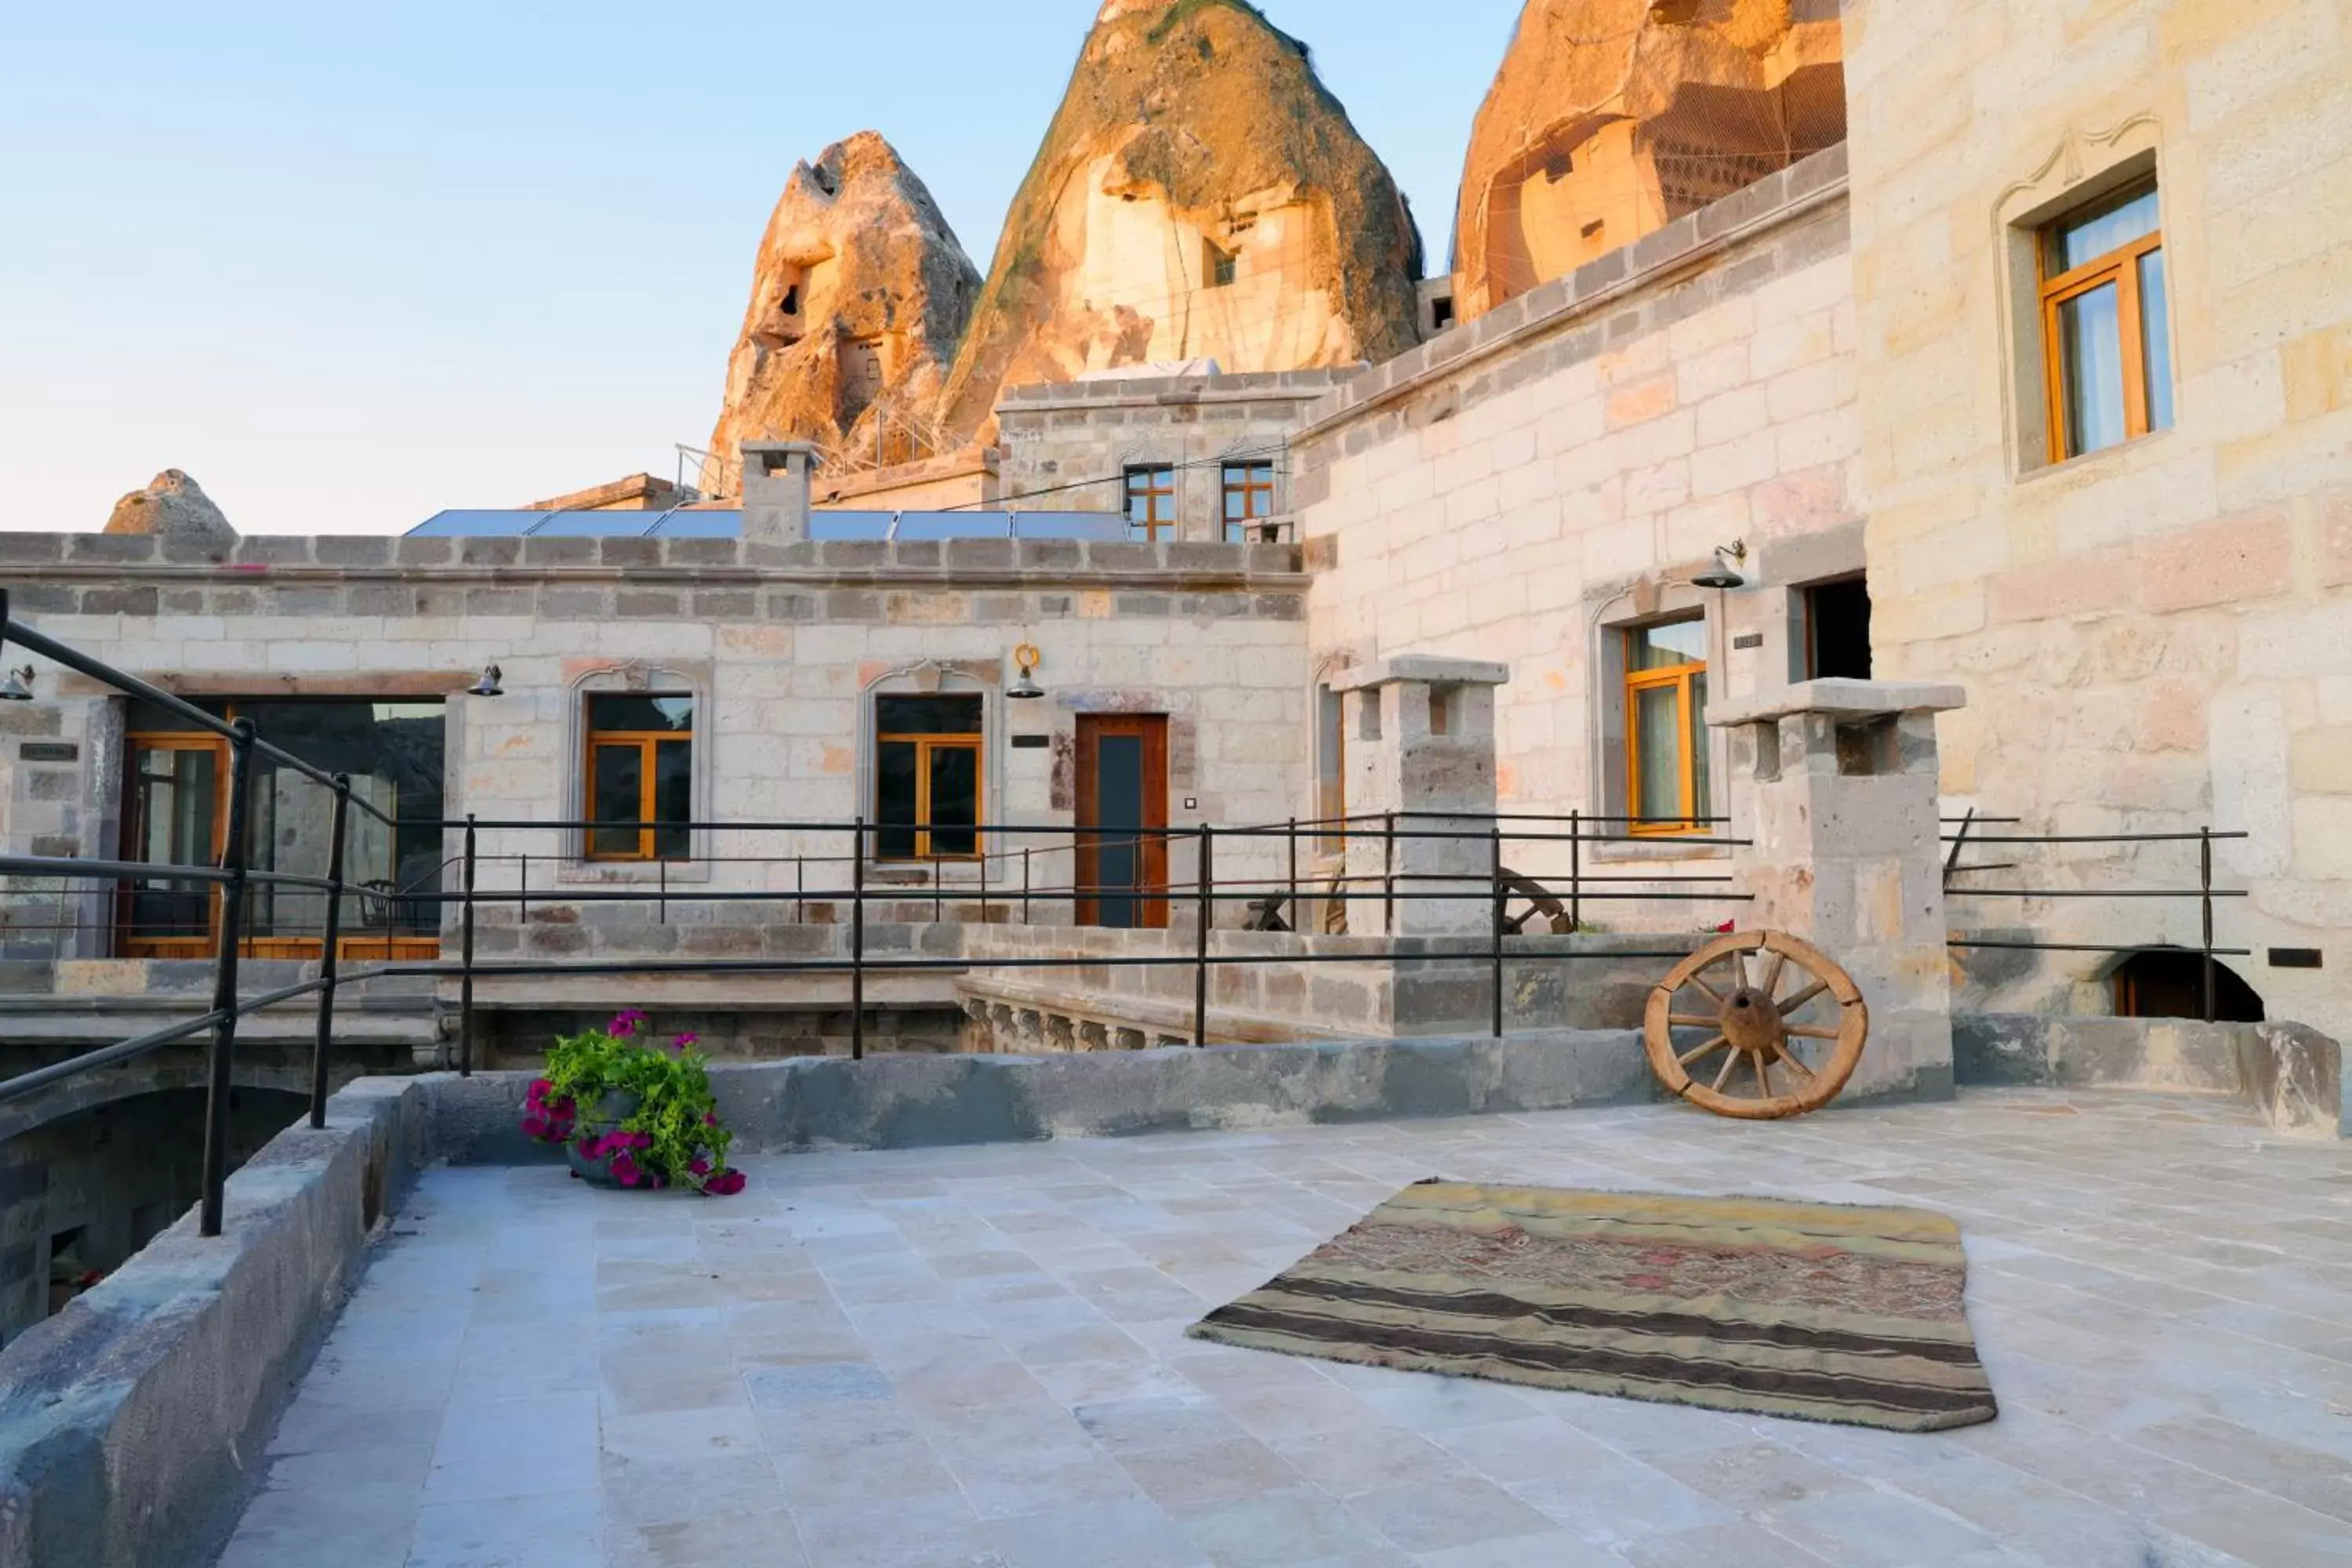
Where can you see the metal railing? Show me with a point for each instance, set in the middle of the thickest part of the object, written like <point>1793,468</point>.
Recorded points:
<point>2205,893</point>
<point>1479,879</point>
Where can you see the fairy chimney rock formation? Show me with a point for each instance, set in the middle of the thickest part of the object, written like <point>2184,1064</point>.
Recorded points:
<point>859,297</point>
<point>172,506</point>
<point>1199,195</point>
<point>1611,119</point>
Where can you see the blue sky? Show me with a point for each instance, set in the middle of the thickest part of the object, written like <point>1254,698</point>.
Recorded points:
<point>350,267</point>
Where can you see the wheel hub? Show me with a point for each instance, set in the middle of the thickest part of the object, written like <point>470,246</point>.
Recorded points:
<point>1751,1022</point>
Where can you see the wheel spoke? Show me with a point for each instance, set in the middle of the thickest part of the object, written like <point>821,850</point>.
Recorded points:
<point>1689,1057</point>
<point>1801,997</point>
<point>1692,1021</point>
<point>1771,986</point>
<point>1791,1059</point>
<point>1729,1061</point>
<point>1764,1075</point>
<point>1738,969</point>
<point>1811,1031</point>
<point>1712,993</point>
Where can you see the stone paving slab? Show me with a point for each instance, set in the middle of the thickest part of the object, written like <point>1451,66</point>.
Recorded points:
<point>974,1358</point>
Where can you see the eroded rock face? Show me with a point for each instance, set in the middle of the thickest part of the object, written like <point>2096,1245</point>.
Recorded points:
<point>1610,119</point>
<point>1199,195</point>
<point>859,297</point>
<point>172,505</point>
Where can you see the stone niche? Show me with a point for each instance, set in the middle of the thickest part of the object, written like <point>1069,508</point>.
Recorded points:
<point>1420,745</point>
<point>1839,784</point>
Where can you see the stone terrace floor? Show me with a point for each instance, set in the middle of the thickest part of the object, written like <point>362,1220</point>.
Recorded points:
<point>975,1357</point>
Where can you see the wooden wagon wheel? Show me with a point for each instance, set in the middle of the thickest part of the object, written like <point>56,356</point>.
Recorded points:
<point>1739,1030</point>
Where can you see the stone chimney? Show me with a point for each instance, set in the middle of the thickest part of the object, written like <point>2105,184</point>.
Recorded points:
<point>776,490</point>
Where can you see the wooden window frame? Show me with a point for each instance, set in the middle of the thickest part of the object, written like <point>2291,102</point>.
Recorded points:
<point>1678,678</point>
<point>648,743</point>
<point>925,743</point>
<point>1249,489</point>
<point>2120,267</point>
<point>1153,524</point>
<point>387,947</point>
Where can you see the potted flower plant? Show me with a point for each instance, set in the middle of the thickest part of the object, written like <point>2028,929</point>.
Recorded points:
<point>632,1113</point>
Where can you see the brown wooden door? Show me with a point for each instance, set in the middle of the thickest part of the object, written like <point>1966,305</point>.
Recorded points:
<point>1123,797</point>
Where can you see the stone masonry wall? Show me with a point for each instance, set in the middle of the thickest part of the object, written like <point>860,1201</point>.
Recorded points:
<point>1069,446</point>
<point>2157,635</point>
<point>1519,488</point>
<point>783,646</point>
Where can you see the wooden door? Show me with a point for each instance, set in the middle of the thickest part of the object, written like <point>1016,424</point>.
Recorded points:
<point>1122,865</point>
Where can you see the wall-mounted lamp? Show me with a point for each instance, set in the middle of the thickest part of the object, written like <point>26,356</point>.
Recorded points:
<point>18,687</point>
<point>489,685</point>
<point>1025,688</point>
<point>1724,575</point>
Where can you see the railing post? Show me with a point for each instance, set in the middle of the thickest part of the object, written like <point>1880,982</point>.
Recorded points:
<point>800,889</point>
<point>2205,884</point>
<point>858,945</point>
<point>1208,915</point>
<point>1025,886</point>
<point>322,1041</point>
<point>465,960</point>
<point>662,877</point>
<point>1496,936</point>
<point>1291,909</point>
<point>1388,875</point>
<point>1575,872</point>
<point>983,885</point>
<point>221,1077</point>
<point>522,901</point>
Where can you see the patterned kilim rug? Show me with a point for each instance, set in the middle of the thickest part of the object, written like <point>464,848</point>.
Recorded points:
<point>1813,1310</point>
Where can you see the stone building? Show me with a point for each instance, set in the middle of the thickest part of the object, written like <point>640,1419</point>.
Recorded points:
<point>2041,395</point>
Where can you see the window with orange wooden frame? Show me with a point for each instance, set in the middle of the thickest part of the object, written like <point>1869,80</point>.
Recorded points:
<point>1668,790</point>
<point>2107,340</point>
<point>639,775</point>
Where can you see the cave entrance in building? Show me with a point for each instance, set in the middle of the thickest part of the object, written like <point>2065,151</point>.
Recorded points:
<point>2170,983</point>
<point>1123,788</point>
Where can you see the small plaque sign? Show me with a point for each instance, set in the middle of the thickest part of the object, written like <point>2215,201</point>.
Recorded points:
<point>2296,958</point>
<point>49,752</point>
<point>1748,639</point>
<point>1032,742</point>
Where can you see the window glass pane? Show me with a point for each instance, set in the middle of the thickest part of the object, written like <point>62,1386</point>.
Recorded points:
<point>2155,341</point>
<point>172,798</point>
<point>2091,352</point>
<point>1662,647</point>
<point>955,800</point>
<point>894,799</point>
<point>635,714</point>
<point>2090,234</point>
<point>673,798</point>
<point>1701,792</point>
<point>1658,754</point>
<point>927,715</point>
<point>617,776</point>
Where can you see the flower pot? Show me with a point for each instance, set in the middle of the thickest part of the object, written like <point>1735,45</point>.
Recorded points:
<point>609,1113</point>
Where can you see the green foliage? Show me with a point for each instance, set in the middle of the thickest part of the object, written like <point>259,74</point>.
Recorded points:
<point>675,1126</point>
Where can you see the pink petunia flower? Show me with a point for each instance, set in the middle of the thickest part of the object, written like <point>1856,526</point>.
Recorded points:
<point>710,1119</point>
<point>534,1127</point>
<point>726,1185</point>
<point>685,1040</point>
<point>700,1167</point>
<point>625,1169</point>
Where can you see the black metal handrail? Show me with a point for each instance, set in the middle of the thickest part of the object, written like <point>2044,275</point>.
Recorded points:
<point>236,877</point>
<point>2205,892</point>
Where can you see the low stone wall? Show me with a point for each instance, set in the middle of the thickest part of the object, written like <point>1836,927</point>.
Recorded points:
<point>129,1420</point>
<point>2294,1076</point>
<point>898,1102</point>
<point>1279,986</point>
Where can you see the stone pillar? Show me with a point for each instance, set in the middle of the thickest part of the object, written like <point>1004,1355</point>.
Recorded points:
<point>776,490</point>
<point>1420,740</point>
<point>1835,783</point>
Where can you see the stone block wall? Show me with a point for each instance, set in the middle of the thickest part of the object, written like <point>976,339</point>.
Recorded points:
<point>2159,636</point>
<point>784,647</point>
<point>1521,487</point>
<point>1069,446</point>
